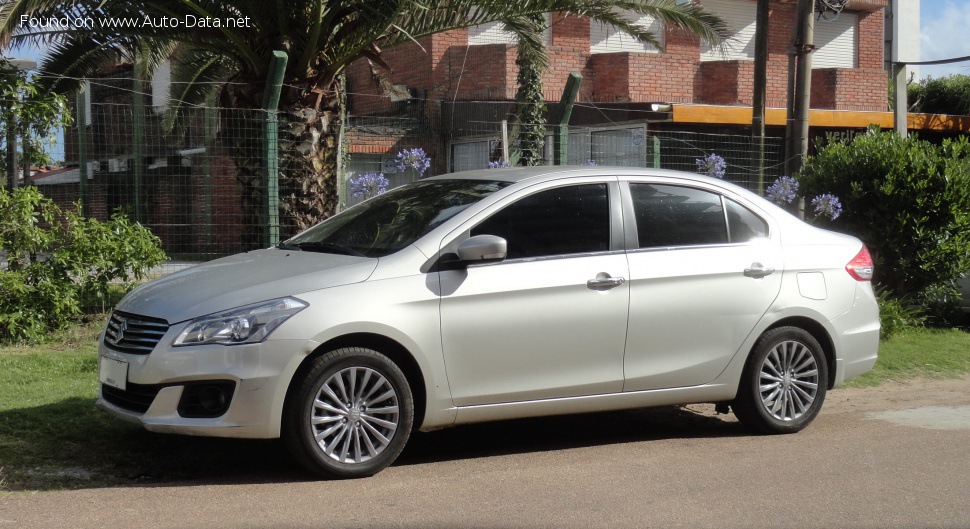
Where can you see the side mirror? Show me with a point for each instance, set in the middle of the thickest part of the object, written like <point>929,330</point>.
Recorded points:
<point>482,249</point>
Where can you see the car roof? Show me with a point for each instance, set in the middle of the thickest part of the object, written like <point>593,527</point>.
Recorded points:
<point>539,174</point>
<point>544,173</point>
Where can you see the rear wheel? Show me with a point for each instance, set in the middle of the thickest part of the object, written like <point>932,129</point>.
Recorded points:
<point>783,386</point>
<point>350,416</point>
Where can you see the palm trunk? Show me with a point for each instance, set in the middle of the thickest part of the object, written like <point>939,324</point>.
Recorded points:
<point>531,103</point>
<point>308,161</point>
<point>308,150</point>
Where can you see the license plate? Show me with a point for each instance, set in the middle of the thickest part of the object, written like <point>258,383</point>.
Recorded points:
<point>114,373</point>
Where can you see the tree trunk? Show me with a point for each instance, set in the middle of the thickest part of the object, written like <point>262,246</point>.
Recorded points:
<point>309,147</point>
<point>531,103</point>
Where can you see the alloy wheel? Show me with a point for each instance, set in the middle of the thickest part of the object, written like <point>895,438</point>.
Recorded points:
<point>355,415</point>
<point>789,380</point>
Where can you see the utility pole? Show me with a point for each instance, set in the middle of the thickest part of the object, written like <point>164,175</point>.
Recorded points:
<point>760,87</point>
<point>799,108</point>
<point>901,102</point>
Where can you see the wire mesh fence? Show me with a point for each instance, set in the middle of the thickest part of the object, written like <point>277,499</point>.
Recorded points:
<point>200,179</point>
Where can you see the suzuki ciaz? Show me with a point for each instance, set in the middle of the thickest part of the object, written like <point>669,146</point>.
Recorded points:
<point>498,294</point>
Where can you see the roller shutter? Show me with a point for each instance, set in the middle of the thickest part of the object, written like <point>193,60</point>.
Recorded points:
<point>605,39</point>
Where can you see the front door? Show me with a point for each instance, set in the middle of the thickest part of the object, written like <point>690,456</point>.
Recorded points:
<point>550,320</point>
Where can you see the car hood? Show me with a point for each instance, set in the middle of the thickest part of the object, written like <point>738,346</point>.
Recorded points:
<point>243,279</point>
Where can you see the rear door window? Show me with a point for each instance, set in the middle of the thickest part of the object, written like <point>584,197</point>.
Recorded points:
<point>677,216</point>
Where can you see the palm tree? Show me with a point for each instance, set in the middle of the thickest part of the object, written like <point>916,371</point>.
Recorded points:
<point>321,38</point>
<point>530,125</point>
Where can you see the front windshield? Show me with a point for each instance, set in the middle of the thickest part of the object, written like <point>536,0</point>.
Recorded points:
<point>393,220</point>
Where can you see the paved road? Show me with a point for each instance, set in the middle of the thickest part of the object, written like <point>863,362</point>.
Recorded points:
<point>897,456</point>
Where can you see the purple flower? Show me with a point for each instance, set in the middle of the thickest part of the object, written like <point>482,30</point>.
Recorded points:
<point>828,205</point>
<point>783,191</point>
<point>368,185</point>
<point>711,165</point>
<point>590,163</point>
<point>413,159</point>
<point>498,164</point>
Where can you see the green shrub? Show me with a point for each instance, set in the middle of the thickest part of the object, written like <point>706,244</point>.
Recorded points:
<point>908,200</point>
<point>942,95</point>
<point>897,314</point>
<point>52,259</point>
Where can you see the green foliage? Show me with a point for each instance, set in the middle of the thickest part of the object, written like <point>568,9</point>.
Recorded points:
<point>943,95</point>
<point>32,111</point>
<point>532,104</point>
<point>907,199</point>
<point>897,314</point>
<point>54,260</point>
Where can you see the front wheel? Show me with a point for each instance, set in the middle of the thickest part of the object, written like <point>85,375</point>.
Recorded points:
<point>350,416</point>
<point>784,382</point>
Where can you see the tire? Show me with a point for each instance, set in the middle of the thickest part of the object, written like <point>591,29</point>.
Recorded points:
<point>783,385</point>
<point>350,416</point>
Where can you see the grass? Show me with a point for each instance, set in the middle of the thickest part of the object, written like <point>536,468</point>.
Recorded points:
<point>913,353</point>
<point>53,437</point>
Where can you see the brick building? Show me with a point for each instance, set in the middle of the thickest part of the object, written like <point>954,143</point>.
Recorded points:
<point>470,74</point>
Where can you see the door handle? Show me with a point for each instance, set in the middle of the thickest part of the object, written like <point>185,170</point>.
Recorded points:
<point>758,270</point>
<point>603,281</point>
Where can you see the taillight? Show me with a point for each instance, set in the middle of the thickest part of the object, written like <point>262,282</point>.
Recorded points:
<point>860,267</point>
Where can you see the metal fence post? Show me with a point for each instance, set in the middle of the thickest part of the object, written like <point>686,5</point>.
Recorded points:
<point>82,150</point>
<point>271,192</point>
<point>342,156</point>
<point>12,151</point>
<point>210,119</point>
<point>138,142</point>
<point>561,138</point>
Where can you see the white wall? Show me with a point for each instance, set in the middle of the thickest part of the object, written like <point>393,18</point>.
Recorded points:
<point>909,32</point>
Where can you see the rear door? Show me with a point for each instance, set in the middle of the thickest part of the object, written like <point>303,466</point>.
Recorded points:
<point>703,270</point>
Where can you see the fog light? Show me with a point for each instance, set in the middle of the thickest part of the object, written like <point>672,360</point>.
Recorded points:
<point>213,399</point>
<point>206,400</point>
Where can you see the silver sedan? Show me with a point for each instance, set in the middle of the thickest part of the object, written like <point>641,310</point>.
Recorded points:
<point>498,294</point>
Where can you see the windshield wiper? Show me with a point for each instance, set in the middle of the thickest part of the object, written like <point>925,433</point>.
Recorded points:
<point>284,246</point>
<point>328,247</point>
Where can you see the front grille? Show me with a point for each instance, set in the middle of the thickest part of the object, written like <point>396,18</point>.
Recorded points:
<point>137,398</point>
<point>133,334</point>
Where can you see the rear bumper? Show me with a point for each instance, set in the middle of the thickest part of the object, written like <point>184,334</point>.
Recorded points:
<point>857,339</point>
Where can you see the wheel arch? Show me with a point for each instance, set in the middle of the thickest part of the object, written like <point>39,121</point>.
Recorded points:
<point>821,335</point>
<point>388,347</point>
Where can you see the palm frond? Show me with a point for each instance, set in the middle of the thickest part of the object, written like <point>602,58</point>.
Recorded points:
<point>686,16</point>
<point>78,56</point>
<point>196,77</point>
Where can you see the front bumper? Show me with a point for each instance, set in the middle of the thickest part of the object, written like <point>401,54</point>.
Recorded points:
<point>259,375</point>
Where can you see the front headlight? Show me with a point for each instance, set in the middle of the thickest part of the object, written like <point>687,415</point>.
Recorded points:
<point>249,324</point>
